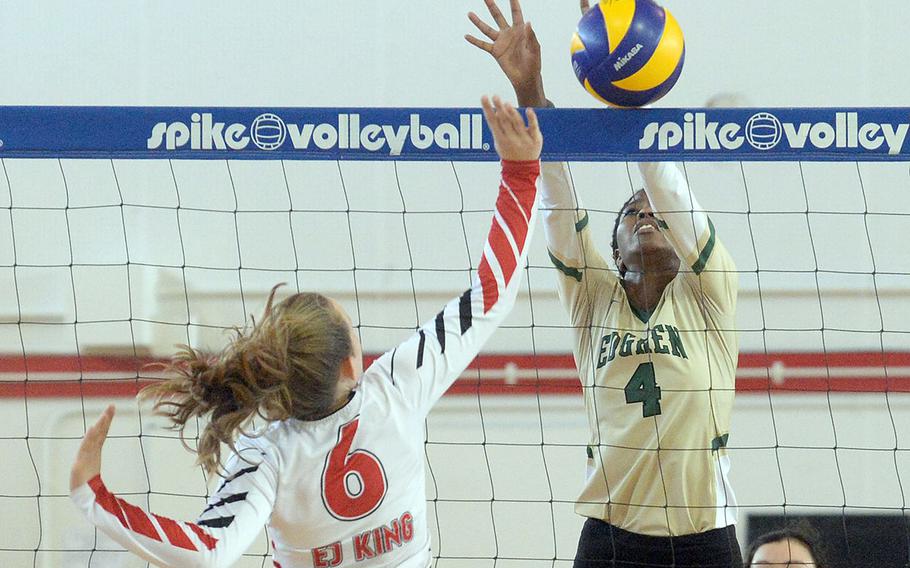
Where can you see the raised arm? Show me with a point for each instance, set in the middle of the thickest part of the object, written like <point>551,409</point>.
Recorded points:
<point>583,271</point>
<point>233,519</point>
<point>426,365</point>
<point>692,234</point>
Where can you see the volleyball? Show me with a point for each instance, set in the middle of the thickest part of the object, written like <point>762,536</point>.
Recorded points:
<point>628,53</point>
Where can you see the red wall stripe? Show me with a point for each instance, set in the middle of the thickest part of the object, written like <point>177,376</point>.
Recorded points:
<point>124,374</point>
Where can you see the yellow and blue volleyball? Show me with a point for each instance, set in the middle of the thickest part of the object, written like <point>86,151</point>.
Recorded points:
<point>628,53</point>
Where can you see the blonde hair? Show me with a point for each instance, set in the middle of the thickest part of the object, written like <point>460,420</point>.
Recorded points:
<point>286,365</point>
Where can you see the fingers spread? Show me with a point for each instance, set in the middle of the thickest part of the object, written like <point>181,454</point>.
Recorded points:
<point>517,17</point>
<point>484,45</point>
<point>484,28</point>
<point>497,15</point>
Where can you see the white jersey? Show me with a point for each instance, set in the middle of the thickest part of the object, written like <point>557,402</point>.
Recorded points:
<point>348,489</point>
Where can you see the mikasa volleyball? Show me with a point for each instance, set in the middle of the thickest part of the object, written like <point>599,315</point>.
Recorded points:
<point>628,53</point>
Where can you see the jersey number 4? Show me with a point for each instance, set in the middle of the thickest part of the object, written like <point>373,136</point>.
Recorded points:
<point>353,483</point>
<point>642,387</point>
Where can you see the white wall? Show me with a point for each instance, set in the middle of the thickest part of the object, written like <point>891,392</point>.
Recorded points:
<point>410,52</point>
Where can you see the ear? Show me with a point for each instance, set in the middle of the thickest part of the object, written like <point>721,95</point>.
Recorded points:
<point>617,260</point>
<point>346,379</point>
<point>347,369</point>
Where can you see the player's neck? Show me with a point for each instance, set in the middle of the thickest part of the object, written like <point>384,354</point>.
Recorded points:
<point>645,288</point>
<point>340,403</point>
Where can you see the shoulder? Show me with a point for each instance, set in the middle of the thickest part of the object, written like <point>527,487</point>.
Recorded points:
<point>711,254</point>
<point>381,381</point>
<point>607,290</point>
<point>387,371</point>
<point>262,445</point>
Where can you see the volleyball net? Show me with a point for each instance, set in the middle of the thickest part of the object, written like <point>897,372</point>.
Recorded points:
<point>126,231</point>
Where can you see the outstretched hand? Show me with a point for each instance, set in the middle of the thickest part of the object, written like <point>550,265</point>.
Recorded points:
<point>513,140</point>
<point>88,459</point>
<point>515,48</point>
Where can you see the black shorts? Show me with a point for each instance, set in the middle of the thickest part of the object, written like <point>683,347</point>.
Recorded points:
<point>602,545</point>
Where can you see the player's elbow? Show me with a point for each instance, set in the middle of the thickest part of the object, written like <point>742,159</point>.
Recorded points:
<point>214,558</point>
<point>212,562</point>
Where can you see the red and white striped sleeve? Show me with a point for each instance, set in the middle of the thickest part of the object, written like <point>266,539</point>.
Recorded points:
<point>425,366</point>
<point>234,517</point>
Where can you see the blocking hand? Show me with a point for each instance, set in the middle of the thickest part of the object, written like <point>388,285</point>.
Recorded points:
<point>515,48</point>
<point>513,140</point>
<point>88,459</point>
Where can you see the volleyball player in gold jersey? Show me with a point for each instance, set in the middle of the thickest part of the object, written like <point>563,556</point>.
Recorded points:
<point>655,346</point>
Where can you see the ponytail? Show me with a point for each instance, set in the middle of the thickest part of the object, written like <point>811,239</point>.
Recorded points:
<point>285,366</point>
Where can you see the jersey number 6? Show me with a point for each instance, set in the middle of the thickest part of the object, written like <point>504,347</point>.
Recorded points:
<point>353,483</point>
<point>642,387</point>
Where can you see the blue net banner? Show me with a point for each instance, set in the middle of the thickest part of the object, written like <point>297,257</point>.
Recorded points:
<point>754,134</point>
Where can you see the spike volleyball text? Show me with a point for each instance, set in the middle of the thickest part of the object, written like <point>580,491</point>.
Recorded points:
<point>764,131</point>
<point>347,132</point>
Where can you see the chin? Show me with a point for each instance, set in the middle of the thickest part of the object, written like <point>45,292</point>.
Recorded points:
<point>668,260</point>
<point>656,246</point>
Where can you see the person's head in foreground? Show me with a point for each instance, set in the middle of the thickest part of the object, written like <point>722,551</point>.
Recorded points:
<point>794,547</point>
<point>301,360</point>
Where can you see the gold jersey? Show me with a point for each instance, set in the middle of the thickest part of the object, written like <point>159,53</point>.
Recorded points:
<point>658,388</point>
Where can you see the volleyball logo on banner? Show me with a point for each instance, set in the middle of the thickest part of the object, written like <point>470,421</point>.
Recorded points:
<point>763,131</point>
<point>268,131</point>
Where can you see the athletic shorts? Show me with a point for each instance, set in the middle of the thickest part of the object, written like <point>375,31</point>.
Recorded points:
<point>602,545</point>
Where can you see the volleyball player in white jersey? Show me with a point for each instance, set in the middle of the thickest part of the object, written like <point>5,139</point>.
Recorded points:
<point>338,474</point>
<point>655,348</point>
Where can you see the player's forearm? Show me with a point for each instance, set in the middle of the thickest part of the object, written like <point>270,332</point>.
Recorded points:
<point>561,214</point>
<point>469,320</point>
<point>429,362</point>
<point>159,540</point>
<point>674,202</point>
<point>510,233</point>
<point>531,94</point>
<point>495,287</point>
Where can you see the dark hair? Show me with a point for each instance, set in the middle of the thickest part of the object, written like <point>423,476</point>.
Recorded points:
<point>801,531</point>
<point>613,243</point>
<point>285,366</point>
